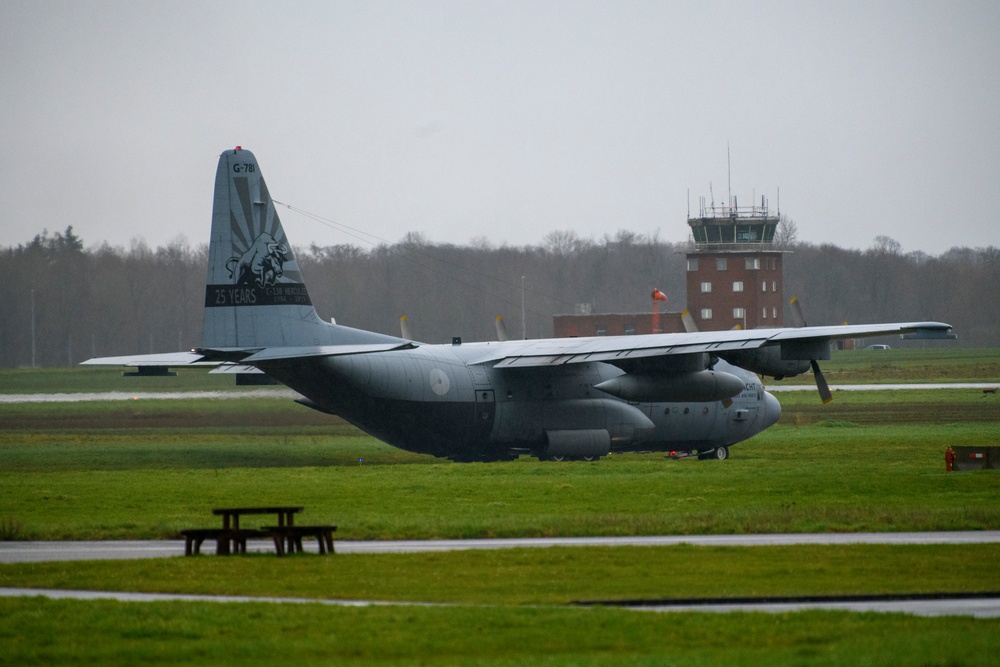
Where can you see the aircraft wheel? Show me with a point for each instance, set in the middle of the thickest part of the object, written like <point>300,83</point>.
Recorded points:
<point>557,458</point>
<point>722,453</point>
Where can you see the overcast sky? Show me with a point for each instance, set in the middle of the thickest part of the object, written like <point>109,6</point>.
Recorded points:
<point>504,121</point>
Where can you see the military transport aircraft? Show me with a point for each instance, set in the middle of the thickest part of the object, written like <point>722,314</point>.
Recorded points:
<point>571,398</point>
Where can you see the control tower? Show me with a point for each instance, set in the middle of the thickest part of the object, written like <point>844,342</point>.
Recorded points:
<point>734,268</point>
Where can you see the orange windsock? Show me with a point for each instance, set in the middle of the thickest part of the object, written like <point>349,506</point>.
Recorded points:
<point>659,296</point>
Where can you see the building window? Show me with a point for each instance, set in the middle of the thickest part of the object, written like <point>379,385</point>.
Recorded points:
<point>692,264</point>
<point>763,286</point>
<point>774,285</point>
<point>602,330</point>
<point>739,313</point>
<point>706,313</point>
<point>738,286</point>
<point>753,263</point>
<point>720,264</point>
<point>706,288</point>
<point>774,312</point>
<point>765,312</point>
<point>630,329</point>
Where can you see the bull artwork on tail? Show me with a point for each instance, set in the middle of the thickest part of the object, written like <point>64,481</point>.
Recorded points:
<point>262,263</point>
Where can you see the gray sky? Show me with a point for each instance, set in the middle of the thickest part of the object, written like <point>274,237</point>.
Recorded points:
<point>503,120</point>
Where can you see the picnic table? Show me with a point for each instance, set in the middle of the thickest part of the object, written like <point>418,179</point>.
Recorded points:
<point>231,515</point>
<point>230,538</point>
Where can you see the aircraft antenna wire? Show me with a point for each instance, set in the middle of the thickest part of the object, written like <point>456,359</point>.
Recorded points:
<point>477,288</point>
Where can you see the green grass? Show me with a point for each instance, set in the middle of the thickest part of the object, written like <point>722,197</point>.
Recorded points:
<point>69,632</point>
<point>549,576</point>
<point>102,379</point>
<point>941,363</point>
<point>146,469</point>
<point>506,607</point>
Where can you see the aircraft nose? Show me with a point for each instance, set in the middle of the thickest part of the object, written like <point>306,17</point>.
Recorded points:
<point>772,410</point>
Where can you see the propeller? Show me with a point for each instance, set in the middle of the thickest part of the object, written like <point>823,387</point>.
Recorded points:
<point>799,321</point>
<point>501,329</point>
<point>824,388</point>
<point>688,320</point>
<point>404,327</point>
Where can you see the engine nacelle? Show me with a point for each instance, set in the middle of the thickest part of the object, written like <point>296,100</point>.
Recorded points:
<point>577,444</point>
<point>768,361</point>
<point>695,387</point>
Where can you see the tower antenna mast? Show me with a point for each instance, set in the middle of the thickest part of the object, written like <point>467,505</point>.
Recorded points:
<point>729,173</point>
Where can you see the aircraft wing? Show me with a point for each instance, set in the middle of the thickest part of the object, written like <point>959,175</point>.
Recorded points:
<point>796,343</point>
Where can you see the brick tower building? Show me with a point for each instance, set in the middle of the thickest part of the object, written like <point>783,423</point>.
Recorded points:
<point>734,268</point>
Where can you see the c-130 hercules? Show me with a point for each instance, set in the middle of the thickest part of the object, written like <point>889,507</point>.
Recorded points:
<point>571,398</point>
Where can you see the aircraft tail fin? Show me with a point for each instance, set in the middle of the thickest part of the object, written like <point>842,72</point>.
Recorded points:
<point>255,296</point>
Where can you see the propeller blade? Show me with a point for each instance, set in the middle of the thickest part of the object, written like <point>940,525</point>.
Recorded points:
<point>688,320</point>
<point>501,329</point>
<point>404,327</point>
<point>824,388</point>
<point>795,310</point>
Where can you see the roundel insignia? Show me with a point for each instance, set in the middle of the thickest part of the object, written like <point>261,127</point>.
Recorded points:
<point>440,384</point>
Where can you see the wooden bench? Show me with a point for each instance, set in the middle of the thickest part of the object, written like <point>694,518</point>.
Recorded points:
<point>289,538</point>
<point>227,540</point>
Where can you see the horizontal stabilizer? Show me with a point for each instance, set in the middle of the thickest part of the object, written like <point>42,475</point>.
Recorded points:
<point>163,360</point>
<point>280,353</point>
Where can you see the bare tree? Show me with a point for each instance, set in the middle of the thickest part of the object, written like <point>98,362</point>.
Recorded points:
<point>786,236</point>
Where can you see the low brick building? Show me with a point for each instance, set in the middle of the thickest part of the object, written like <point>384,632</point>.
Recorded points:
<point>613,324</point>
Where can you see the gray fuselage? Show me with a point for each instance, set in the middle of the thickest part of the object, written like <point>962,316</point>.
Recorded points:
<point>443,400</point>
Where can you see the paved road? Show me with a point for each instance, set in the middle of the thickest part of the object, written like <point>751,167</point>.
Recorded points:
<point>978,607</point>
<point>29,552</point>
<point>772,387</point>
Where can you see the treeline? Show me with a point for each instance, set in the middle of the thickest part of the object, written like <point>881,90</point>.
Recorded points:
<point>63,303</point>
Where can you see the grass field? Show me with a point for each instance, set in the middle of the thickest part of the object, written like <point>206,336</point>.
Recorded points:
<point>145,468</point>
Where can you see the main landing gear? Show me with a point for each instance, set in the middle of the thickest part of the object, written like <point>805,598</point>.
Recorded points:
<point>717,454</point>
